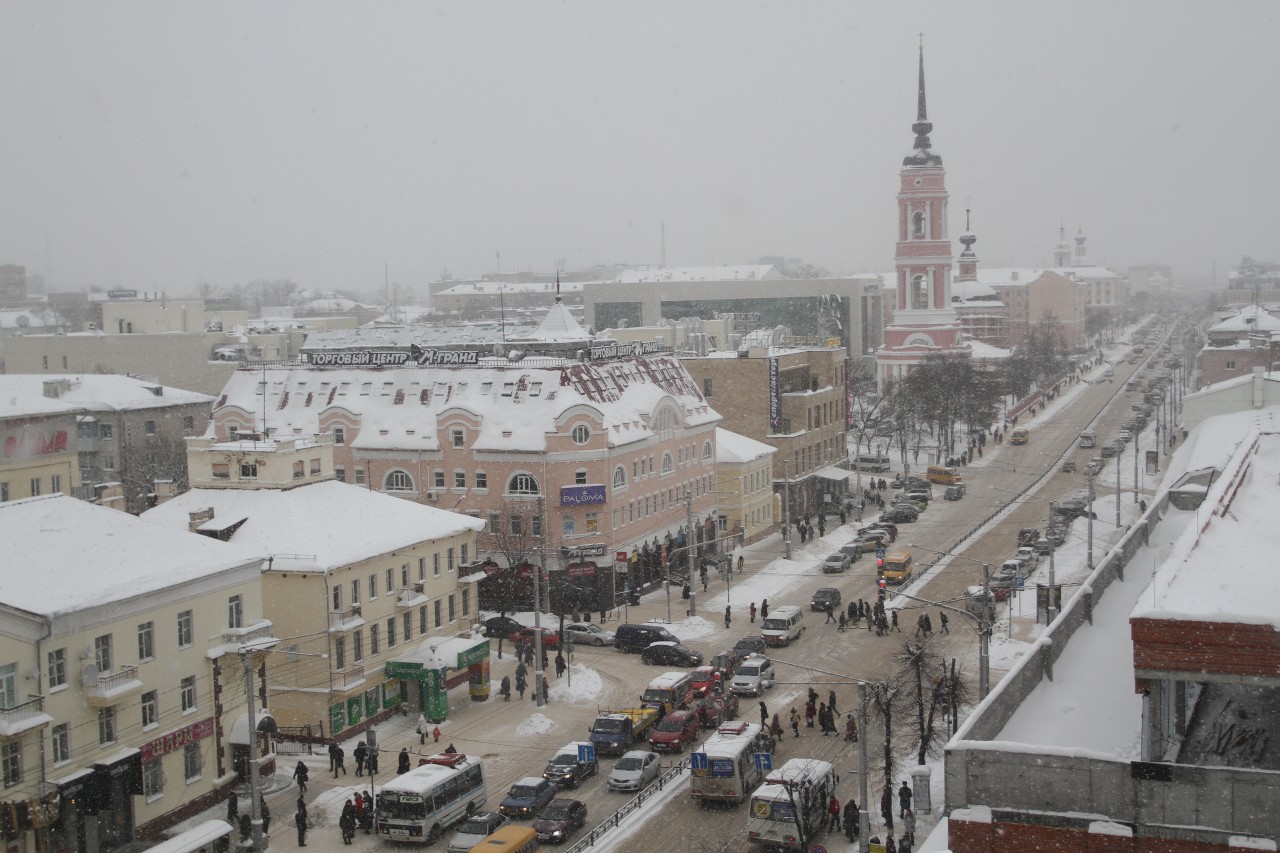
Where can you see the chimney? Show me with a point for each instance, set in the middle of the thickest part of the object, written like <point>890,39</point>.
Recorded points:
<point>55,388</point>
<point>1259,395</point>
<point>199,517</point>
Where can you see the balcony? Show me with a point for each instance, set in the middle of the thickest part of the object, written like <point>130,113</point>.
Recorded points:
<point>411,596</point>
<point>346,620</point>
<point>103,689</point>
<point>258,631</point>
<point>20,718</point>
<point>351,676</point>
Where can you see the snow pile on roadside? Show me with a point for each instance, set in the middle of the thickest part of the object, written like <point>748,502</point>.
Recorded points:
<point>691,628</point>
<point>536,724</point>
<point>586,688</point>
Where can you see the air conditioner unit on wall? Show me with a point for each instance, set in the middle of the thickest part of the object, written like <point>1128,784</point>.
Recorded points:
<point>433,496</point>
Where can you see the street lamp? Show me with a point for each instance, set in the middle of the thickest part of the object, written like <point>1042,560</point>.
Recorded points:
<point>984,620</point>
<point>248,653</point>
<point>864,816</point>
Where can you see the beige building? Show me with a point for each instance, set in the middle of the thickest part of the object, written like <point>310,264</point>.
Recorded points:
<point>122,692</point>
<point>355,578</point>
<point>1042,301</point>
<point>38,454</point>
<point>744,486</point>
<point>791,398</point>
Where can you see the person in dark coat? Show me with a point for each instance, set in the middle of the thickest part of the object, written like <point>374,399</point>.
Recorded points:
<point>347,822</point>
<point>403,763</point>
<point>505,689</point>
<point>266,815</point>
<point>361,753</point>
<point>904,799</point>
<point>300,821</point>
<point>764,715</point>
<point>851,819</point>
<point>764,609</point>
<point>366,813</point>
<point>300,774</point>
<point>561,666</point>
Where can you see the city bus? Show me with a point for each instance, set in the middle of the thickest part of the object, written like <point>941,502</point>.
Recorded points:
<point>943,474</point>
<point>510,839</point>
<point>898,567</point>
<point>790,808</point>
<point>419,805</point>
<point>1020,435</point>
<point>726,770</point>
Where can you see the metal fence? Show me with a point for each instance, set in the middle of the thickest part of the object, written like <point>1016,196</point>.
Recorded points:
<point>612,822</point>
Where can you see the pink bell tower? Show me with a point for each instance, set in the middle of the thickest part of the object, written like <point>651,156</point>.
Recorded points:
<point>924,322</point>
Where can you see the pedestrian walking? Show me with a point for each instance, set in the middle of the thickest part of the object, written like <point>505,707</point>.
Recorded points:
<point>831,703</point>
<point>764,609</point>
<point>764,715</point>
<point>266,815</point>
<point>704,578</point>
<point>504,689</point>
<point>545,661</point>
<point>341,759</point>
<point>830,611</point>
<point>909,826</point>
<point>741,563</point>
<point>795,722</point>
<point>904,799</point>
<point>371,763</point>
<point>435,734</point>
<point>361,753</point>
<point>894,624</point>
<point>300,821</point>
<point>727,618</point>
<point>751,611</point>
<point>561,666</point>
<point>850,819</point>
<point>809,712</point>
<point>422,728</point>
<point>850,728</point>
<point>833,814</point>
<point>300,774</point>
<point>822,718</point>
<point>233,809</point>
<point>366,814</point>
<point>520,684</point>
<point>347,822</point>
<point>333,757</point>
<point>402,761</point>
<point>844,623</point>
<point>546,691</point>
<point>775,728</point>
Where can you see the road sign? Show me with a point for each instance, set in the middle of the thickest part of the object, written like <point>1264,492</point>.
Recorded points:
<point>817,848</point>
<point>1018,581</point>
<point>586,753</point>
<point>880,553</point>
<point>698,761</point>
<point>763,760</point>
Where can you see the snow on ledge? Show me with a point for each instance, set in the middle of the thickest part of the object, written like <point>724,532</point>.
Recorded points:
<point>1108,827</point>
<point>1245,842</point>
<point>972,814</point>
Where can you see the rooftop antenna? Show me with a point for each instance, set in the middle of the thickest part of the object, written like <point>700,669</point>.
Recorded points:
<point>264,401</point>
<point>502,312</point>
<point>662,232</point>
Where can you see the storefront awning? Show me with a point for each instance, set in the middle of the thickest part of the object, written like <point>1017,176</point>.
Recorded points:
<point>835,472</point>
<point>240,728</point>
<point>437,654</point>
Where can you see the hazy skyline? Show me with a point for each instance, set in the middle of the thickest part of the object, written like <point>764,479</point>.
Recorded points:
<point>161,145</point>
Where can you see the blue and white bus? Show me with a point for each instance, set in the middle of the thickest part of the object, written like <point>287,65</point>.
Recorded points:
<point>419,805</point>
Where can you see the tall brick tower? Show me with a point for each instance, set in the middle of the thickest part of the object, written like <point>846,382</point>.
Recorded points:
<point>924,323</point>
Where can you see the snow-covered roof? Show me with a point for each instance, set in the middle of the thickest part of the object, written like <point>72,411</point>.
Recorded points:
<point>732,447</point>
<point>518,404</point>
<point>559,325</point>
<point>493,288</point>
<point>94,392</point>
<point>324,525</point>
<point>739,272</point>
<point>404,336</point>
<point>75,555</point>
<point>29,319</point>
<point>984,351</point>
<point>1251,318</point>
<point>970,290</point>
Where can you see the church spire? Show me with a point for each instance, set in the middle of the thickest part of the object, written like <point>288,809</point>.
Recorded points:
<point>921,155</point>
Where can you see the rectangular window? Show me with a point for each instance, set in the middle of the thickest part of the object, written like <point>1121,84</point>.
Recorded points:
<point>495,522</point>
<point>107,725</point>
<point>422,619</point>
<point>149,427</point>
<point>192,761</point>
<point>102,653</point>
<point>391,633</point>
<point>422,568</point>
<point>339,436</point>
<point>435,565</point>
<point>315,467</point>
<point>359,476</point>
<point>437,479</point>
<point>439,621</point>
<point>150,708</point>
<point>466,602</point>
<point>297,470</point>
<point>146,641</point>
<point>35,487</point>
<point>463,554</point>
<point>188,693</point>
<point>355,593</point>
<point>248,471</point>
<point>153,779</point>
<point>568,524</point>
<point>235,612</point>
<point>373,587</point>
<point>188,425</point>
<point>11,755</point>
<point>459,479</point>
<point>449,552</point>
<point>482,480</point>
<point>4,491</point>
<point>407,625</point>
<point>391,587</point>
<point>593,522</point>
<point>61,739</point>
<point>453,616</point>
<point>186,629</point>
<point>57,667</point>
<point>339,653</point>
<point>374,635</point>
<point>221,470</point>
<point>357,645</point>
<point>579,478</point>
<point>536,526</point>
<point>517,525</point>
<point>337,598</point>
<point>458,436</point>
<point>340,474</point>
<point>55,484</point>
<point>107,431</point>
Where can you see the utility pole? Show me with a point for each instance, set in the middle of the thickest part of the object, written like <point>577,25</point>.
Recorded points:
<point>1053,610</point>
<point>786,508</point>
<point>689,557</point>
<point>1117,491</point>
<point>984,636</point>
<point>864,815</point>
<point>538,672</point>
<point>1089,515</point>
<point>255,795</point>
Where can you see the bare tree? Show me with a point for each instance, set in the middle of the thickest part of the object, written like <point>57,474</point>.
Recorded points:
<point>887,699</point>
<point>935,695</point>
<point>514,542</point>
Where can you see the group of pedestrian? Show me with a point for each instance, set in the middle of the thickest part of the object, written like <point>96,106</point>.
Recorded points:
<point>366,759</point>
<point>356,812</point>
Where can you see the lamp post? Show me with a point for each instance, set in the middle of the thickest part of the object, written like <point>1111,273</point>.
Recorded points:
<point>983,621</point>
<point>864,816</point>
<point>247,660</point>
<point>786,514</point>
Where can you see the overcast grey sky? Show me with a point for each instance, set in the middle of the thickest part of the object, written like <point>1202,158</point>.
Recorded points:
<point>158,145</point>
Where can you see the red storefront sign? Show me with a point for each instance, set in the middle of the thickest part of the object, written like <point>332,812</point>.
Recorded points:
<point>176,739</point>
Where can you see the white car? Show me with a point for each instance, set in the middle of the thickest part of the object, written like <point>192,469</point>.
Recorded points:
<point>634,771</point>
<point>753,677</point>
<point>475,829</point>
<point>588,634</point>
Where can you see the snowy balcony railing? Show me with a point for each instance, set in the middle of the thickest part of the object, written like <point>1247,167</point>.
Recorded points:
<point>20,718</point>
<point>351,675</point>
<point>110,688</point>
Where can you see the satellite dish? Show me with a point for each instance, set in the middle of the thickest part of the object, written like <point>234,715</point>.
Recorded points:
<point>89,674</point>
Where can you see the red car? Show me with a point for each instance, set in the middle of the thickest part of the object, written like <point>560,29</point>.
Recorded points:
<point>703,677</point>
<point>550,639</point>
<point>677,730</point>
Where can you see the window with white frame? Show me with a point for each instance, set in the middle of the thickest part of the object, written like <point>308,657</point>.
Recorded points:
<point>188,692</point>
<point>398,481</point>
<point>192,761</point>
<point>466,602</point>
<point>57,667</point>
<point>373,587</point>
<point>60,739</point>
<point>459,479</point>
<point>374,637</point>
<point>568,524</point>
<point>406,628</point>
<point>391,632</point>
<point>102,657</point>
<point>666,463</point>
<point>339,435</point>
<point>11,757</point>
<point>581,434</point>
<point>457,437</point>
<point>107,725</point>
<point>235,612</point>
<point>522,484</point>
<point>437,478</point>
<point>482,480</point>
<point>186,629</point>
<point>449,559</point>
<point>150,709</point>
<point>619,477</point>
<point>357,645</point>
<point>153,779</point>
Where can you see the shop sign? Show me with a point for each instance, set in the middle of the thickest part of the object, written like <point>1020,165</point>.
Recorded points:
<point>581,495</point>
<point>175,740</point>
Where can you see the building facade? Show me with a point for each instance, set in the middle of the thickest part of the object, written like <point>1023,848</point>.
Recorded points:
<point>38,452</point>
<point>122,690</point>
<point>744,478</point>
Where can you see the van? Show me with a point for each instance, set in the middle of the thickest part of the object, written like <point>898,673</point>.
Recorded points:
<point>943,474</point>
<point>637,638</point>
<point>1020,435</point>
<point>783,625</point>
<point>898,567</point>
<point>668,692</point>
<point>873,463</point>
<point>954,493</point>
<point>1088,439</point>
<point>509,839</point>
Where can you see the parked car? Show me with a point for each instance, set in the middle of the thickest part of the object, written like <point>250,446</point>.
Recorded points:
<point>1028,535</point>
<point>751,645</point>
<point>1043,547</point>
<point>630,637</point>
<point>474,830</point>
<point>852,550</point>
<point>901,482</point>
<point>667,653</point>
<point>954,492</point>
<point>559,819</point>
<point>677,730</point>
<point>826,597</point>
<point>835,564</point>
<point>873,539</point>
<point>588,634</point>
<point>1108,451</point>
<point>550,638</point>
<point>527,797</point>
<point>499,627</point>
<point>634,771</point>
<point>1069,467</point>
<point>925,495</point>
<point>900,515</point>
<point>891,529</point>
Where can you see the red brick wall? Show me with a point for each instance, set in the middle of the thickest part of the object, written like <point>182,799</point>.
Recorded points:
<point>969,837</point>
<point>1212,647</point>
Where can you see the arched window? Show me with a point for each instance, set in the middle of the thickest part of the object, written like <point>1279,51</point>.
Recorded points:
<point>666,463</point>
<point>706,450</point>
<point>919,292</point>
<point>619,477</point>
<point>398,481</point>
<point>917,224</point>
<point>522,484</point>
<point>581,434</point>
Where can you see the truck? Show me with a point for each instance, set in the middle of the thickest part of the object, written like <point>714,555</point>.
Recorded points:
<point>614,733</point>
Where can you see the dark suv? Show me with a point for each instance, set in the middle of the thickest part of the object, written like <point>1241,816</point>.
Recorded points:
<point>637,638</point>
